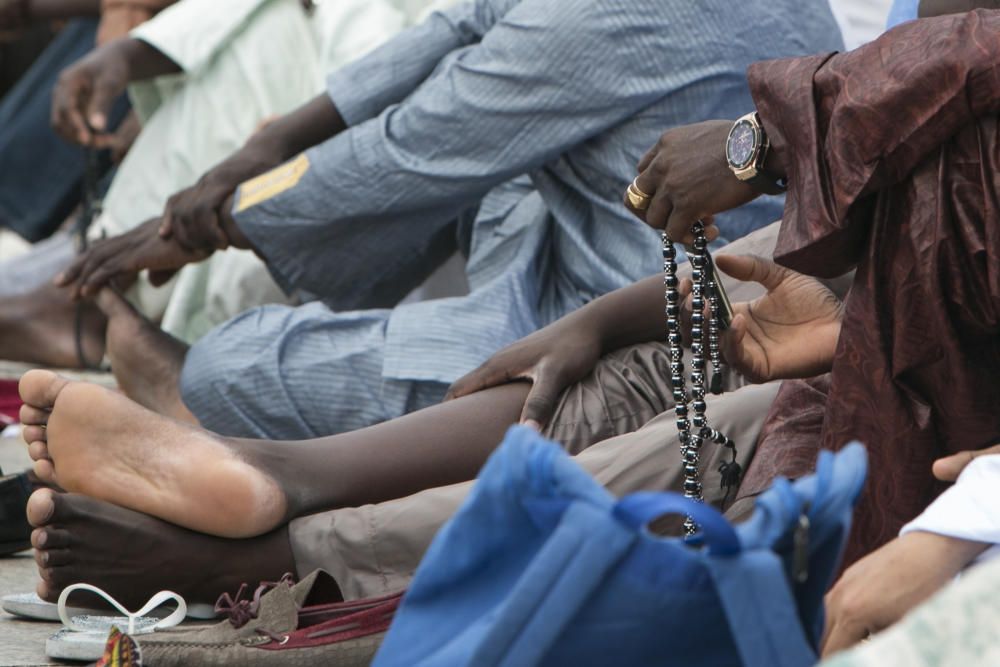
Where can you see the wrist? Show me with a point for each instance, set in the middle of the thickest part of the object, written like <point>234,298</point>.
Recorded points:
<point>234,235</point>
<point>950,554</point>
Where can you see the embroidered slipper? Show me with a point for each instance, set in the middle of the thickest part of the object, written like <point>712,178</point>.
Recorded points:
<point>280,626</point>
<point>86,637</point>
<point>30,606</point>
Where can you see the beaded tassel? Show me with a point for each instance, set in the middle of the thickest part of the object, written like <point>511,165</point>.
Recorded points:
<point>694,431</point>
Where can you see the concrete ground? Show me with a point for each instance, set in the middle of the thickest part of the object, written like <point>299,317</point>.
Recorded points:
<point>21,642</point>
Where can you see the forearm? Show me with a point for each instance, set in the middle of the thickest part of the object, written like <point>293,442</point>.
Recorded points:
<point>628,316</point>
<point>283,139</point>
<point>141,60</point>
<point>45,10</point>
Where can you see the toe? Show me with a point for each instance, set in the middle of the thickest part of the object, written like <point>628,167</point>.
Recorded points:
<point>30,415</point>
<point>34,434</point>
<point>41,505</point>
<point>45,589</point>
<point>40,388</point>
<point>50,558</point>
<point>113,304</point>
<point>38,451</point>
<point>50,538</point>
<point>45,471</point>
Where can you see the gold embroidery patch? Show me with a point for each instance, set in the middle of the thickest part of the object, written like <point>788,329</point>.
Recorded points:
<point>273,183</point>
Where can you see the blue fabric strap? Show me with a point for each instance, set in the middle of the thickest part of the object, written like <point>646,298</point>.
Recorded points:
<point>762,614</point>
<point>638,509</point>
<point>550,593</point>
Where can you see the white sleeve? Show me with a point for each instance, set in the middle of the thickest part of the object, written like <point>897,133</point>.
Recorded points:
<point>192,32</point>
<point>969,510</point>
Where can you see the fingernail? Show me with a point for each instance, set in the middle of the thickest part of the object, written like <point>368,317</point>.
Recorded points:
<point>42,539</point>
<point>531,423</point>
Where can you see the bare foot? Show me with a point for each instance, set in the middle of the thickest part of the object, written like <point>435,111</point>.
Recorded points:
<point>96,442</point>
<point>145,360</point>
<point>132,555</point>
<point>39,328</point>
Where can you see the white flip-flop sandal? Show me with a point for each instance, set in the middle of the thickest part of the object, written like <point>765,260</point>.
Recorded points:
<point>29,605</point>
<point>83,637</point>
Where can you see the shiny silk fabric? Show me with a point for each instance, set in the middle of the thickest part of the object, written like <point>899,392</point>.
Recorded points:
<point>893,153</point>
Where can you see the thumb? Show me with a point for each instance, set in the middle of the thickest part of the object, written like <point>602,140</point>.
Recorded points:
<point>751,268</point>
<point>486,376</point>
<point>948,469</point>
<point>540,403</point>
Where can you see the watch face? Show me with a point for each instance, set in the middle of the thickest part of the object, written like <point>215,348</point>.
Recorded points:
<point>741,144</point>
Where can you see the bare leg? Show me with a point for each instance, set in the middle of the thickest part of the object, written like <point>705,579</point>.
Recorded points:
<point>39,328</point>
<point>93,441</point>
<point>145,360</point>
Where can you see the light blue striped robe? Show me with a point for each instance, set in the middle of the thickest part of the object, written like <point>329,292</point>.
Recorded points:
<point>510,128</point>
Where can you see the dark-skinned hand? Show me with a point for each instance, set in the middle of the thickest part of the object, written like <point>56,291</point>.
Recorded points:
<point>84,95</point>
<point>121,258</point>
<point>194,217</point>
<point>789,332</point>
<point>552,359</point>
<point>688,178</point>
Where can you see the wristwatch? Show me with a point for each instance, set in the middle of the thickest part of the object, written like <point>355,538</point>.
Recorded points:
<point>746,152</point>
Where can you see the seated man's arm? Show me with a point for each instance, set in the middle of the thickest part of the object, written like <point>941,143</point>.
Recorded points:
<point>850,125</point>
<point>957,528</point>
<point>841,127</point>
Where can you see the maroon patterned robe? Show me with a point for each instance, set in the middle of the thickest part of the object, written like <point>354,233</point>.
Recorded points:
<point>894,168</point>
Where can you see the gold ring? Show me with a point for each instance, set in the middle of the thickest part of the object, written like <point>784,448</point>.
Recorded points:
<point>638,199</point>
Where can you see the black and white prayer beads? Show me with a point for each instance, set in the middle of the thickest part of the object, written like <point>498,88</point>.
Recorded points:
<point>692,423</point>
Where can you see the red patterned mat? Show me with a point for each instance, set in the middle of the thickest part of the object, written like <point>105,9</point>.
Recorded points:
<point>10,402</point>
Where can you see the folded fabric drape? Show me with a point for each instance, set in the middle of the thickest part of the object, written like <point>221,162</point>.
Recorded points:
<point>894,168</point>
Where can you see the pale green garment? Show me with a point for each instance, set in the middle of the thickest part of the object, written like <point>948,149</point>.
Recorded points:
<point>244,61</point>
<point>959,627</point>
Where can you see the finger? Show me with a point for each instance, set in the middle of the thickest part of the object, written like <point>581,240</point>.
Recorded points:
<point>842,636</point>
<point>101,100</point>
<point>711,232</point>
<point>659,211</point>
<point>167,222</point>
<point>678,225</point>
<point>751,268</point>
<point>486,376</point>
<point>72,273</point>
<point>733,348</point>
<point>67,117</point>
<point>100,278</point>
<point>102,141</point>
<point>948,469</point>
<point>541,400</point>
<point>647,159</point>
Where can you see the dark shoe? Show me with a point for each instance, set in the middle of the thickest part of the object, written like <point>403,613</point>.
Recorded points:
<point>305,624</point>
<point>15,532</point>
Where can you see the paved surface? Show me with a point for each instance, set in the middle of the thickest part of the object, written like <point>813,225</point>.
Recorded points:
<point>21,642</point>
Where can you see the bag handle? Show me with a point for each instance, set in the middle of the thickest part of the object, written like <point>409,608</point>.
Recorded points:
<point>638,509</point>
